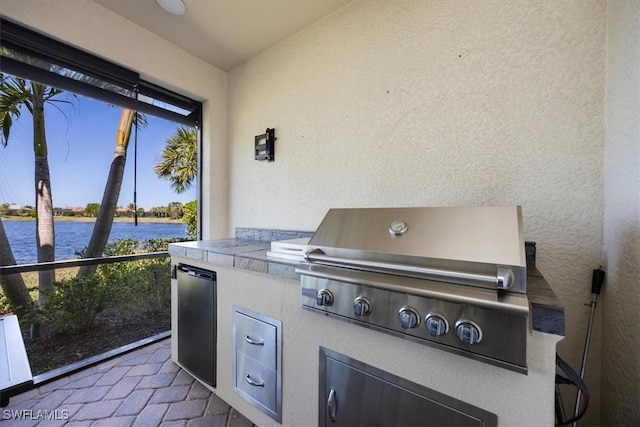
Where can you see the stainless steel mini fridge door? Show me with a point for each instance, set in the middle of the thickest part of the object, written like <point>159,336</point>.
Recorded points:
<point>197,322</point>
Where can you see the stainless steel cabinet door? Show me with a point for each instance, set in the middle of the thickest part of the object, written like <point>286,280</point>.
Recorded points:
<point>355,394</point>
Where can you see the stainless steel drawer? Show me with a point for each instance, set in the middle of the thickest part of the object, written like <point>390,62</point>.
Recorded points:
<point>256,339</point>
<point>257,360</point>
<point>257,381</point>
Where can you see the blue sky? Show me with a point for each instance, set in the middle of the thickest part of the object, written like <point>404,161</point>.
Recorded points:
<point>81,140</point>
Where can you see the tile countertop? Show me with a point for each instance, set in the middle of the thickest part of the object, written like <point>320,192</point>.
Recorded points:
<point>547,312</point>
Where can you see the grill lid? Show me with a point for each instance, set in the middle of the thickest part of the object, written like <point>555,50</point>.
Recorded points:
<point>480,246</point>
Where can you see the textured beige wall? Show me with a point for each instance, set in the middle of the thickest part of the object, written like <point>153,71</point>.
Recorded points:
<point>415,103</point>
<point>621,295</point>
<point>88,26</point>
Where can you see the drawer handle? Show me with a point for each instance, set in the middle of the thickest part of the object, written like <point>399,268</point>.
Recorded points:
<point>250,340</point>
<point>252,382</point>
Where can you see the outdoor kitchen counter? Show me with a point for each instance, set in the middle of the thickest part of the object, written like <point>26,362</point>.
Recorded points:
<point>248,279</point>
<point>547,312</point>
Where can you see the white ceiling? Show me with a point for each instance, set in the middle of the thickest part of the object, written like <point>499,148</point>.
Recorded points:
<point>225,33</point>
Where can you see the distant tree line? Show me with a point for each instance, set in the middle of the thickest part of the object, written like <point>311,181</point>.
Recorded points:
<point>174,210</point>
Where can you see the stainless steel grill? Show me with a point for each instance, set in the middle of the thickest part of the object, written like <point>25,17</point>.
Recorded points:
<point>450,277</point>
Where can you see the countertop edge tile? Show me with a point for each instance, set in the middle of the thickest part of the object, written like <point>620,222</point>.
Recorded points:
<point>220,259</point>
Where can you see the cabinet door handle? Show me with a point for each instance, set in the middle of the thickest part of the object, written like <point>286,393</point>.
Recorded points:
<point>253,382</point>
<point>250,340</point>
<point>332,405</point>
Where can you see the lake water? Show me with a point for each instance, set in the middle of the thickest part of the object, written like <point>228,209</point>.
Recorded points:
<point>72,236</point>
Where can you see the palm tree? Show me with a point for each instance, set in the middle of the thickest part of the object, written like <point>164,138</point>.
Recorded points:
<point>15,94</point>
<point>104,221</point>
<point>179,160</point>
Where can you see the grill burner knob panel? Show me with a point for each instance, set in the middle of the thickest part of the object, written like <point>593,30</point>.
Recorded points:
<point>436,324</point>
<point>324,297</point>
<point>361,306</point>
<point>468,332</point>
<point>409,317</point>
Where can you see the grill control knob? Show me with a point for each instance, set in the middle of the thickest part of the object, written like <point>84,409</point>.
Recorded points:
<point>468,332</point>
<point>409,317</point>
<point>324,297</point>
<point>361,306</point>
<point>436,324</point>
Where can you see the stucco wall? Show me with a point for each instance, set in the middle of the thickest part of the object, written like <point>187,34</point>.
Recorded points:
<point>88,26</point>
<point>417,103</point>
<point>621,295</point>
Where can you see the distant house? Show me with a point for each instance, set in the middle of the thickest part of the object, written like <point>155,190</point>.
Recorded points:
<point>120,211</point>
<point>14,209</point>
<point>17,210</point>
<point>73,211</point>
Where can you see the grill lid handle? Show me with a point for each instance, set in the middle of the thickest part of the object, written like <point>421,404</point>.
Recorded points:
<point>503,279</point>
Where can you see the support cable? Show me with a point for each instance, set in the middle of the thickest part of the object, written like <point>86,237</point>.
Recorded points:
<point>135,162</point>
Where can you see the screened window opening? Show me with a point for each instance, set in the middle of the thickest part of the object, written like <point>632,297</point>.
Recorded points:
<point>98,174</point>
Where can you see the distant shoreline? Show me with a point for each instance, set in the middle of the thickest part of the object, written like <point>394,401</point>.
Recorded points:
<point>93,219</point>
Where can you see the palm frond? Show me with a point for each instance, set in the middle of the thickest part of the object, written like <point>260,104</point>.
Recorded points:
<point>14,93</point>
<point>140,120</point>
<point>179,160</point>
<point>6,127</point>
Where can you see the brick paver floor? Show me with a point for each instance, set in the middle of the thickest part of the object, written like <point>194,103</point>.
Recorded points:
<point>141,388</point>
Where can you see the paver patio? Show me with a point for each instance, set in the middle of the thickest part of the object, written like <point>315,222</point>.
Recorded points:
<point>141,388</point>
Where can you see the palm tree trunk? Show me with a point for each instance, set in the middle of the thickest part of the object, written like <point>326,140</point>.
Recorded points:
<point>12,284</point>
<point>44,203</point>
<point>44,229</point>
<point>104,221</point>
